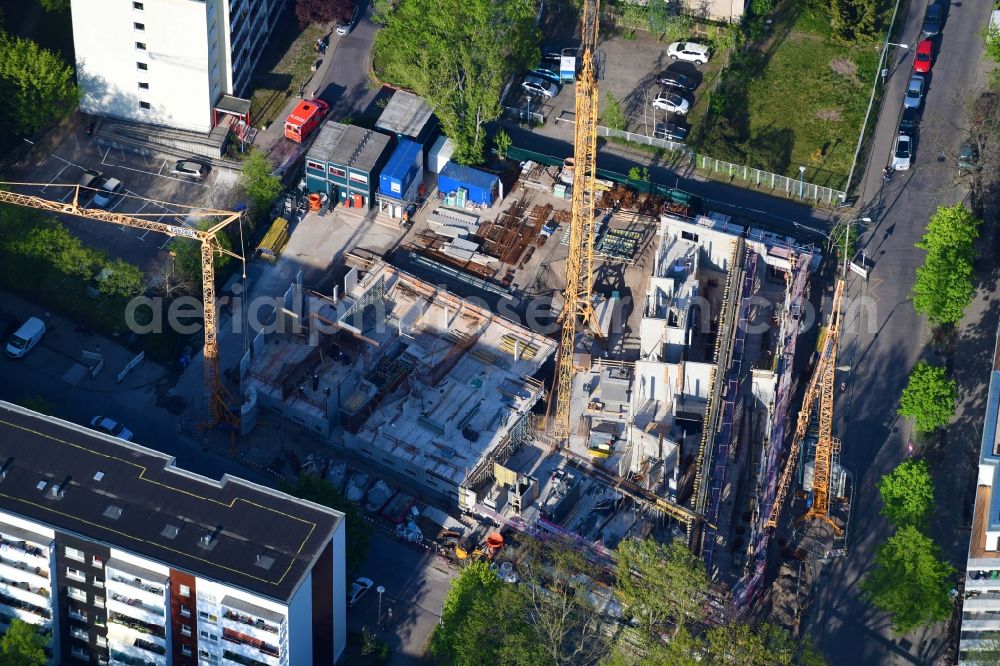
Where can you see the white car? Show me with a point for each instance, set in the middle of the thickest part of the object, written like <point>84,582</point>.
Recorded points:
<point>690,52</point>
<point>111,427</point>
<point>671,102</point>
<point>108,190</point>
<point>345,28</point>
<point>358,589</point>
<point>902,153</point>
<point>539,87</point>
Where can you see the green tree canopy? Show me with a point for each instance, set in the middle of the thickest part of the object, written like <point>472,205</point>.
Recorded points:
<point>910,581</point>
<point>37,86</point>
<point>187,255</point>
<point>258,181</point>
<point>22,645</point>
<point>907,494</point>
<point>323,492</point>
<point>54,5</point>
<point>613,117</point>
<point>458,55</point>
<point>943,286</point>
<point>929,397</point>
<point>120,278</point>
<point>659,583</point>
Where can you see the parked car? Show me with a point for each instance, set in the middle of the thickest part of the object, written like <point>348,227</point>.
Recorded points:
<point>107,191</point>
<point>933,20</point>
<point>677,80</point>
<point>914,96</point>
<point>902,152</point>
<point>190,169</point>
<point>358,589</point>
<point>967,157</point>
<point>672,102</point>
<point>689,52</point>
<point>924,58</point>
<point>90,180</point>
<point>25,337</point>
<point>539,87</point>
<point>909,121</point>
<point>670,131</point>
<point>545,75</point>
<point>111,427</point>
<point>347,26</point>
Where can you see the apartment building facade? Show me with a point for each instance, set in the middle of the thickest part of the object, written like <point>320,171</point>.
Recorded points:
<point>122,558</point>
<point>168,62</point>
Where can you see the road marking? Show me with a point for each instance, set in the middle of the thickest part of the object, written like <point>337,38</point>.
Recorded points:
<point>158,175</point>
<point>46,186</point>
<point>161,168</point>
<point>106,153</point>
<point>63,159</point>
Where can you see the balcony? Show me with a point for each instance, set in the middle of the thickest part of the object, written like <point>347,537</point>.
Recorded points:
<point>22,551</point>
<point>134,607</point>
<point>252,626</point>
<point>122,659</point>
<point>232,657</point>
<point>151,647</point>
<point>123,623</point>
<point>17,570</point>
<point>248,645</point>
<point>20,609</point>
<point>37,596</point>
<point>124,651</point>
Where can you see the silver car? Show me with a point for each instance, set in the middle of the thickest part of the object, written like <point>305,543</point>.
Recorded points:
<point>902,153</point>
<point>671,102</point>
<point>914,96</point>
<point>539,87</point>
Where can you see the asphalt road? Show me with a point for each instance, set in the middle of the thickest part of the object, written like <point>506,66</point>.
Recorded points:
<point>346,86</point>
<point>882,350</point>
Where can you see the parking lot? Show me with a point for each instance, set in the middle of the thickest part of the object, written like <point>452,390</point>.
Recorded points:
<point>628,70</point>
<point>149,191</point>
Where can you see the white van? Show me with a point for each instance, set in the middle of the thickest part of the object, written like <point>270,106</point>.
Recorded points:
<point>26,337</point>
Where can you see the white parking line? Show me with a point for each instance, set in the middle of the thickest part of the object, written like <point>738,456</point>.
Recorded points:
<point>46,186</point>
<point>160,172</point>
<point>106,153</point>
<point>158,175</point>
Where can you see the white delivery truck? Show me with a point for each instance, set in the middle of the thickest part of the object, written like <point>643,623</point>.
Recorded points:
<point>26,337</point>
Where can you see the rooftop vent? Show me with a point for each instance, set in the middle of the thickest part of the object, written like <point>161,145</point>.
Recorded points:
<point>210,539</point>
<point>98,476</point>
<point>170,531</point>
<point>41,484</point>
<point>59,491</point>
<point>264,561</point>
<point>113,512</point>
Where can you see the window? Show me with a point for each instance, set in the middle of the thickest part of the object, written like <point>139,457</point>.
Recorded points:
<point>143,85</point>
<point>141,46</point>
<point>337,173</point>
<point>314,165</point>
<point>141,65</point>
<point>77,594</point>
<point>185,650</point>
<point>359,178</point>
<point>74,554</point>
<point>687,235</point>
<point>76,574</point>
<point>185,592</point>
<point>203,615</point>
<point>137,5</point>
<point>144,105</point>
<point>99,602</point>
<point>186,629</point>
<point>96,561</point>
<point>185,611</point>
<point>98,581</point>
<point>101,641</point>
<point>139,26</point>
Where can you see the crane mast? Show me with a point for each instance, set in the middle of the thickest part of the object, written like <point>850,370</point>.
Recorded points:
<point>215,408</point>
<point>578,296</point>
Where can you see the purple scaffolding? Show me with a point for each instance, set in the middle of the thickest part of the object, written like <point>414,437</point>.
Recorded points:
<point>748,587</point>
<point>724,435</point>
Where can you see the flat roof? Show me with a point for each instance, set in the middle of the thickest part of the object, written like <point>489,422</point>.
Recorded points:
<point>349,145</point>
<point>130,497</point>
<point>405,114</point>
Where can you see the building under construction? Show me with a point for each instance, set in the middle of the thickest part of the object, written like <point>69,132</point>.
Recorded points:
<point>420,381</point>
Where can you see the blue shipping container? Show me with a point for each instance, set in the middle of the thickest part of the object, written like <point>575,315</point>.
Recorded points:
<point>483,187</point>
<point>402,169</point>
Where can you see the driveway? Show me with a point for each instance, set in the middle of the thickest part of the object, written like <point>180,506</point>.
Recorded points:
<point>882,351</point>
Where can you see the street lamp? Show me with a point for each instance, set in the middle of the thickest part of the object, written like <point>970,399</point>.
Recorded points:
<point>885,70</point>
<point>802,174</point>
<point>380,589</point>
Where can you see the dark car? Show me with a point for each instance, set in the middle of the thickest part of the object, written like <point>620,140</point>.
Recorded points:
<point>677,80</point>
<point>90,180</point>
<point>190,169</point>
<point>546,74</point>
<point>670,131</point>
<point>933,19</point>
<point>908,121</point>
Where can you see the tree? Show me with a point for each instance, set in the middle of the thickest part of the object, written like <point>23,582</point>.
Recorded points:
<point>468,49</point>
<point>929,397</point>
<point>910,581</point>
<point>54,5</point>
<point>187,255</point>
<point>856,20</point>
<point>323,11</point>
<point>943,286</point>
<point>659,583</point>
<point>260,185</point>
<point>37,86</point>
<point>323,492</point>
<point>614,117</point>
<point>502,143</point>
<point>22,645</point>
<point>120,278</point>
<point>907,494</point>
<point>991,35</point>
<point>484,620</point>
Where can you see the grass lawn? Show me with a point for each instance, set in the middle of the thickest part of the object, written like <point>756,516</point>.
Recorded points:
<point>284,67</point>
<point>817,90</point>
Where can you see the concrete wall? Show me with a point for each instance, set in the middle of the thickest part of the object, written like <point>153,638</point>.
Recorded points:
<point>176,56</point>
<point>300,625</point>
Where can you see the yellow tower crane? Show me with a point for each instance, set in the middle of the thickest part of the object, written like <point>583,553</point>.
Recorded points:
<point>580,262</point>
<point>821,387</point>
<point>216,408</point>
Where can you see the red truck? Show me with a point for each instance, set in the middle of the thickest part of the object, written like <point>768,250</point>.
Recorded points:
<point>304,118</point>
